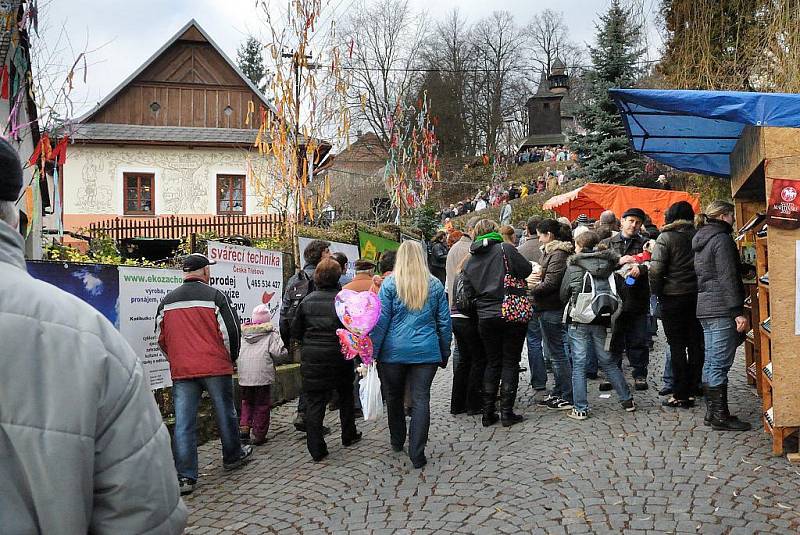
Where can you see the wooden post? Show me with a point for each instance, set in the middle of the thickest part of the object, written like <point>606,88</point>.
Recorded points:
<point>193,242</point>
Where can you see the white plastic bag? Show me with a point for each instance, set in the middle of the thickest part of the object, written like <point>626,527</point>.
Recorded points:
<point>370,394</point>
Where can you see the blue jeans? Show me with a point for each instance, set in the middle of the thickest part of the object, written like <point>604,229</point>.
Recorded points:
<point>420,377</point>
<point>591,359</point>
<point>581,338</point>
<point>631,335</point>
<point>720,338</point>
<point>536,356</point>
<point>186,397</point>
<point>553,334</point>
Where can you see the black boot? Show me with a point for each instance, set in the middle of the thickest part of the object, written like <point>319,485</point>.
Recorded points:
<point>728,415</point>
<point>507,416</point>
<point>719,410</point>
<point>707,417</point>
<point>489,411</point>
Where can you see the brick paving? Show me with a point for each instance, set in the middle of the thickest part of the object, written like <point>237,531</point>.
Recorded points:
<point>656,470</point>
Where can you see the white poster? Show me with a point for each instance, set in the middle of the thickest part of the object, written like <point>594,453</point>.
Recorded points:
<point>140,292</point>
<point>348,249</point>
<point>248,276</point>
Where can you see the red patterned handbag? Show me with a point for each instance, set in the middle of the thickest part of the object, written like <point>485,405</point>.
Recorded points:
<point>517,306</point>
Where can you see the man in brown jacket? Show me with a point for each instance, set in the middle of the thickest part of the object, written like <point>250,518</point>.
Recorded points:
<point>362,282</point>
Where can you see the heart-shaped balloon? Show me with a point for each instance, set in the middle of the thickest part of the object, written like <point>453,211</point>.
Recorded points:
<point>358,311</point>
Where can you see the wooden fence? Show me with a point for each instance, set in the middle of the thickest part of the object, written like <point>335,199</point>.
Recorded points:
<point>177,227</point>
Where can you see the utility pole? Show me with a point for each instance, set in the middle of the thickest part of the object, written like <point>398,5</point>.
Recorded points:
<point>299,60</point>
<point>296,58</point>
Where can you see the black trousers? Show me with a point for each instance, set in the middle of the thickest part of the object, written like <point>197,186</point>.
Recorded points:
<point>395,378</point>
<point>316,402</point>
<point>468,370</point>
<point>502,342</point>
<point>685,339</point>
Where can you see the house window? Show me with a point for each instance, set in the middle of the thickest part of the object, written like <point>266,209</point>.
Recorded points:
<point>138,193</point>
<point>546,105</point>
<point>230,194</point>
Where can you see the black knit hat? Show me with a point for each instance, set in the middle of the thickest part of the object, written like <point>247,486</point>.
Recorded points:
<point>10,172</point>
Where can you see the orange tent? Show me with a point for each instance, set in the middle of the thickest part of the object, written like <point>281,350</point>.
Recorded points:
<point>593,198</point>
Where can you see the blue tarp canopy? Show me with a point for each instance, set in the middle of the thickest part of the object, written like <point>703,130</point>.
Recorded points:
<point>697,130</point>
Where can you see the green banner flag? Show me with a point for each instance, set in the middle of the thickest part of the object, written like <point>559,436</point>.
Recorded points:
<point>371,246</point>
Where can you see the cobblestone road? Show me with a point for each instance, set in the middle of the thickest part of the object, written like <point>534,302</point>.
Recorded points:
<point>653,471</point>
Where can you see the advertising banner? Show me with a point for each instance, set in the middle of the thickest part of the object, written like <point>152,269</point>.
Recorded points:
<point>348,249</point>
<point>96,284</point>
<point>248,276</point>
<point>371,246</point>
<point>140,292</point>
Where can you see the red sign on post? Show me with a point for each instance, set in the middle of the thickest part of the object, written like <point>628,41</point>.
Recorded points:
<point>783,210</point>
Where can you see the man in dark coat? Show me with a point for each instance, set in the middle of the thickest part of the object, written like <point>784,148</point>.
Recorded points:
<point>631,332</point>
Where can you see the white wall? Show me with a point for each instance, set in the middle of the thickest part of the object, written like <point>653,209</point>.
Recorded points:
<point>185,179</point>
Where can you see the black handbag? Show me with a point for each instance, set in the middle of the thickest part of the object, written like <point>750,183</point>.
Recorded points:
<point>463,299</point>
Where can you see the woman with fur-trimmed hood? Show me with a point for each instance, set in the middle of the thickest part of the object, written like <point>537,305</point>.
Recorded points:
<point>674,281</point>
<point>544,286</point>
<point>261,347</point>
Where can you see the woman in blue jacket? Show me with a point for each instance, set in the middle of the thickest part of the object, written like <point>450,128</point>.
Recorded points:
<point>412,337</point>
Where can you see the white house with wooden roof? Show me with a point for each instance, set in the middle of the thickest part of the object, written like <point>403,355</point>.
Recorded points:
<point>174,138</point>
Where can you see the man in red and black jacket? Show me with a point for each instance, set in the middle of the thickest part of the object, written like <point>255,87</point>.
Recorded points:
<point>199,332</point>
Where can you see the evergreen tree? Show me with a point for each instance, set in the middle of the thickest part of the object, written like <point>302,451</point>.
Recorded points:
<point>250,60</point>
<point>445,112</point>
<point>607,155</point>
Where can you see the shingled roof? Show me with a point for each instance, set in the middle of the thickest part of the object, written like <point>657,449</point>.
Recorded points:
<point>110,133</point>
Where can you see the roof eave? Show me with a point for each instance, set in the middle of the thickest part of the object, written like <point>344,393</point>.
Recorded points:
<point>88,115</point>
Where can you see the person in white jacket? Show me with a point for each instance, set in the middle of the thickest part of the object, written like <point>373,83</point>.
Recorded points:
<point>261,347</point>
<point>83,448</point>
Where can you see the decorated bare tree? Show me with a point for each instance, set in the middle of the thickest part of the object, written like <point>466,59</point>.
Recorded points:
<point>309,115</point>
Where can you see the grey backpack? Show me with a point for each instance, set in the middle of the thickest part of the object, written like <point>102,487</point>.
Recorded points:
<point>598,298</point>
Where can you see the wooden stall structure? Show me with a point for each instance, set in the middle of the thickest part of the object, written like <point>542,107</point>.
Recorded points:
<point>762,156</point>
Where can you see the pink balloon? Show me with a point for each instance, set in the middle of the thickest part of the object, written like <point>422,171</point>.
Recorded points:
<point>355,346</point>
<point>358,311</point>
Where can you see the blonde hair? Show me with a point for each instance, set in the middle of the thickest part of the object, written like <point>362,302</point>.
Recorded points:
<point>485,226</point>
<point>715,210</point>
<point>411,275</point>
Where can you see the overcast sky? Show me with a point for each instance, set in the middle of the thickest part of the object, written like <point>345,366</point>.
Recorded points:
<point>123,34</point>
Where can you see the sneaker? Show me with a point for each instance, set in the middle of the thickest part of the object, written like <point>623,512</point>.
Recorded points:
<point>629,405</point>
<point>545,401</point>
<point>576,414</point>
<point>559,404</point>
<point>605,386</point>
<point>666,391</point>
<point>186,485</point>
<point>640,384</point>
<point>247,452</point>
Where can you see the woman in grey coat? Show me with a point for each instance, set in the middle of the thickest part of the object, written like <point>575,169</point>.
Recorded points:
<point>720,308</point>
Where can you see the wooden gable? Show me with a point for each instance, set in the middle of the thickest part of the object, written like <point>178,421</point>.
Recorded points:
<point>189,83</point>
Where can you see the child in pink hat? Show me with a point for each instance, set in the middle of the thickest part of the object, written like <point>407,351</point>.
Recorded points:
<point>261,347</point>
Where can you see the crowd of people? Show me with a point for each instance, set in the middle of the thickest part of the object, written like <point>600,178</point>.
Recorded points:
<point>582,295</point>
<point>499,193</point>
<point>546,154</point>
